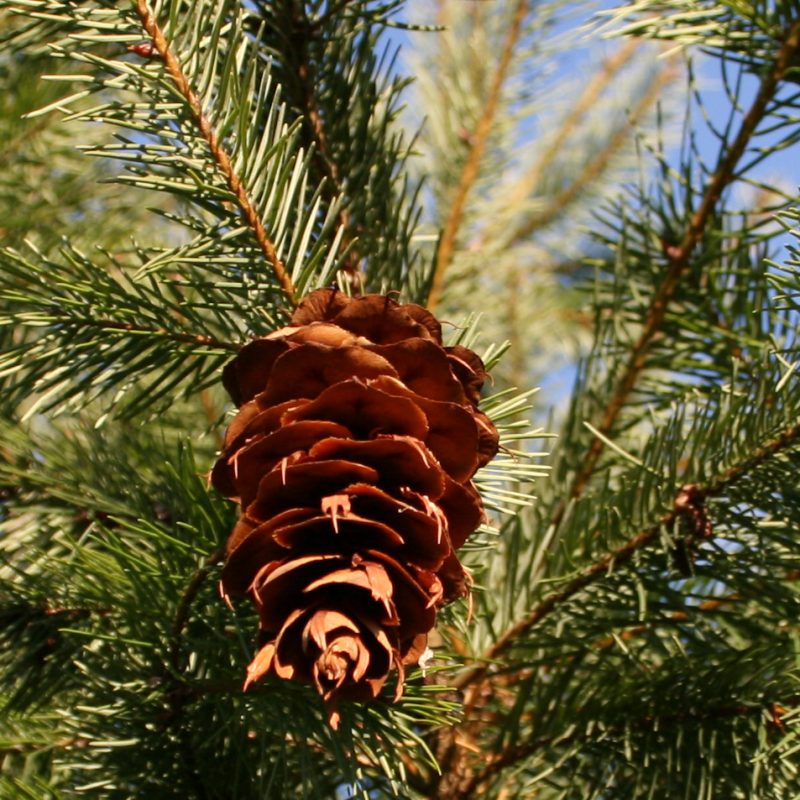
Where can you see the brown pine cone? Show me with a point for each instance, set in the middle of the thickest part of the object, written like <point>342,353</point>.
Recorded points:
<point>351,456</point>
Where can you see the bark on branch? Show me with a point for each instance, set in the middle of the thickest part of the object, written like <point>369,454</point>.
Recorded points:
<point>247,210</point>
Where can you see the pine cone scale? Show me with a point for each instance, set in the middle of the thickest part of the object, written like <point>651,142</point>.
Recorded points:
<point>365,410</point>
<point>306,370</point>
<point>283,488</point>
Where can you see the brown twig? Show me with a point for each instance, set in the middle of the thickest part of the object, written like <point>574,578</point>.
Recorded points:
<point>472,786</point>
<point>688,500</point>
<point>588,576</point>
<point>624,553</point>
<point>178,694</point>
<point>184,607</point>
<point>316,133</point>
<point>597,165</point>
<point>591,171</point>
<point>24,748</point>
<point>596,86</point>
<point>183,338</point>
<point>513,294</point>
<point>23,139</point>
<point>633,631</point>
<point>478,142</point>
<point>220,155</point>
<point>213,415</point>
<point>680,260</point>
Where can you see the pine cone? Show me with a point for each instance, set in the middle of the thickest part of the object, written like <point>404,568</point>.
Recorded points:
<point>351,456</point>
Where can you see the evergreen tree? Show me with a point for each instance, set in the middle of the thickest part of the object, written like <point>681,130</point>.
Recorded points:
<point>189,171</point>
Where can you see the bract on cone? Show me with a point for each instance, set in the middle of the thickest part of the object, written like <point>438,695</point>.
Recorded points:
<point>352,455</point>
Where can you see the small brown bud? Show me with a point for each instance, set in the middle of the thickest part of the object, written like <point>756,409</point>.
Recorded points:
<point>144,49</point>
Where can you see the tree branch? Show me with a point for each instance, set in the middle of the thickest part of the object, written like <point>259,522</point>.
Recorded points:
<point>680,256</point>
<point>588,98</point>
<point>177,695</point>
<point>680,260</point>
<point>472,786</point>
<point>472,165</point>
<point>624,553</point>
<point>688,500</point>
<point>597,165</point>
<point>248,211</point>
<point>23,139</point>
<point>184,607</point>
<point>315,132</point>
<point>182,338</point>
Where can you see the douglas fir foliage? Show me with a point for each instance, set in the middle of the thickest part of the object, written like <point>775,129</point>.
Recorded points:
<point>180,180</point>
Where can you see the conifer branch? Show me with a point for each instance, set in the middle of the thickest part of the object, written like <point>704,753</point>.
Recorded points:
<point>195,339</point>
<point>220,155</point>
<point>469,174</point>
<point>316,134</point>
<point>616,676</point>
<point>625,553</point>
<point>472,681</point>
<point>178,695</point>
<point>528,183</point>
<point>584,103</point>
<point>213,415</point>
<point>679,262</point>
<point>37,747</point>
<point>184,608</point>
<point>598,164</point>
<point>472,785</point>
